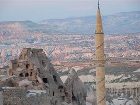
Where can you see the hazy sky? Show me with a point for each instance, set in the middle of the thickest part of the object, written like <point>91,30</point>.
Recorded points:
<point>37,10</point>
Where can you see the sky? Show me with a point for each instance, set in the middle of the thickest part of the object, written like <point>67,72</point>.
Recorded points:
<point>37,10</point>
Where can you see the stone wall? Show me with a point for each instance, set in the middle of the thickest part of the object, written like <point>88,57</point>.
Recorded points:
<point>1,98</point>
<point>18,96</point>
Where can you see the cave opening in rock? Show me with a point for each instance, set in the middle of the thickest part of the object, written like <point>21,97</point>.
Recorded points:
<point>45,80</point>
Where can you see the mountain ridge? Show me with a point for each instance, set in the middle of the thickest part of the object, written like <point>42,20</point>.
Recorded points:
<point>124,22</point>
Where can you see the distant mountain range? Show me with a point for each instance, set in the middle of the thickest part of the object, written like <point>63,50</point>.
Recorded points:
<point>125,22</point>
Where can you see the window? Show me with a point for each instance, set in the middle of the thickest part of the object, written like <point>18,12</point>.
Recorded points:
<point>45,80</point>
<point>66,94</point>
<point>26,74</point>
<point>73,97</point>
<point>31,74</point>
<point>60,87</point>
<point>43,63</point>
<point>38,70</point>
<point>27,66</point>
<point>54,77</point>
<point>37,81</point>
<point>53,93</point>
<point>21,74</point>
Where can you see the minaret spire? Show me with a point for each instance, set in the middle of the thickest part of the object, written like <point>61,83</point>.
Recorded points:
<point>99,28</point>
<point>100,60</point>
<point>98,4</point>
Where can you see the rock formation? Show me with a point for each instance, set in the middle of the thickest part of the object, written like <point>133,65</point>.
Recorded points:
<point>75,89</point>
<point>33,71</point>
<point>32,80</point>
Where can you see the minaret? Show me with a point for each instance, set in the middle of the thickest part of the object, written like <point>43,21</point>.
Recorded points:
<point>100,60</point>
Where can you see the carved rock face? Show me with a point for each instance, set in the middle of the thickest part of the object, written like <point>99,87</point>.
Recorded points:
<point>33,70</point>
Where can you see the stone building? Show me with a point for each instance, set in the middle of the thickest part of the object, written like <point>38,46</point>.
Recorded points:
<point>20,96</point>
<point>127,88</point>
<point>33,71</point>
<point>75,89</point>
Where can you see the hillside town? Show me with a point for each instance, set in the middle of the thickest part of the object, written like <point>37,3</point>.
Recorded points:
<point>62,48</point>
<point>25,79</point>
